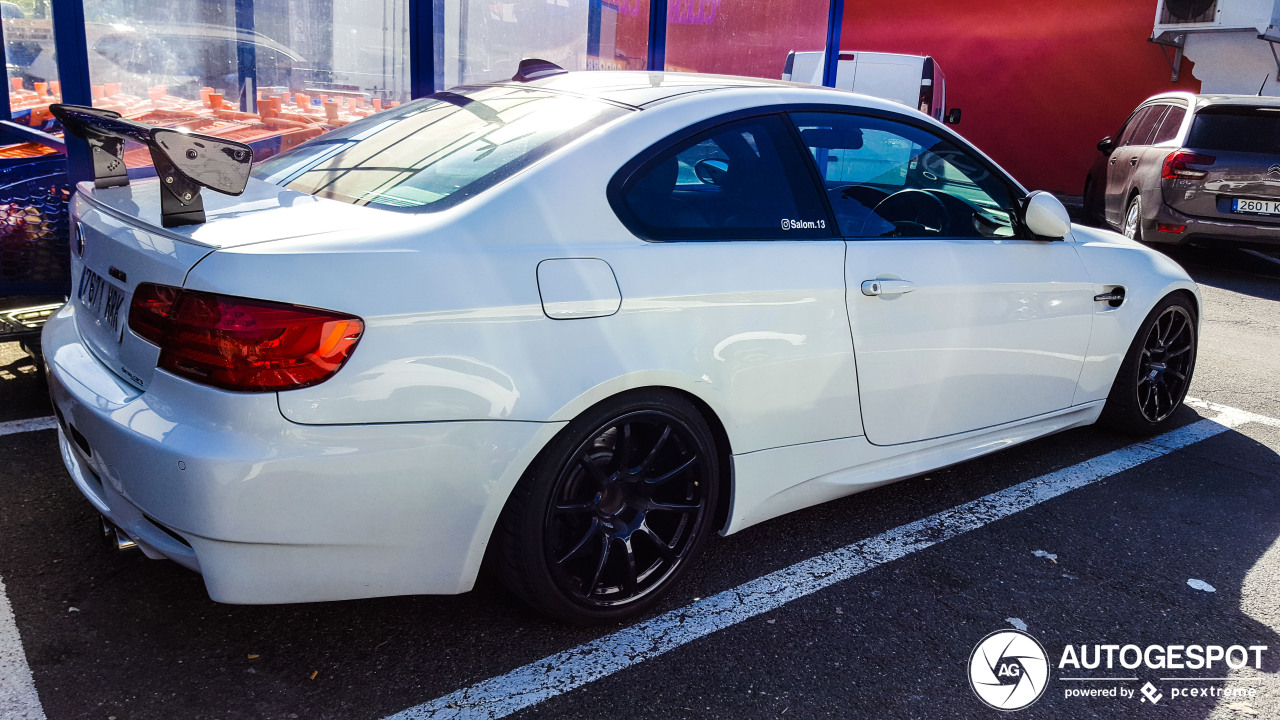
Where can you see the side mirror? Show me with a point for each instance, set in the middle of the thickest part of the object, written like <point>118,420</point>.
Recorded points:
<point>1106,145</point>
<point>953,117</point>
<point>1045,216</point>
<point>711,171</point>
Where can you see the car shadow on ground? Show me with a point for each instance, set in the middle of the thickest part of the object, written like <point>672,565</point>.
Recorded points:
<point>110,634</point>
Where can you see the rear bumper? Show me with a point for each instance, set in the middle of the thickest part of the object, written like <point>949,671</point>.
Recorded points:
<point>270,511</point>
<point>1206,231</point>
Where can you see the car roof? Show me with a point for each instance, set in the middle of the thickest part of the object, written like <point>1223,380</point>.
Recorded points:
<point>639,89</point>
<point>1248,100</point>
<point>1207,99</point>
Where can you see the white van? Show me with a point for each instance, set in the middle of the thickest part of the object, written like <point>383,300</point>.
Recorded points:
<point>913,80</point>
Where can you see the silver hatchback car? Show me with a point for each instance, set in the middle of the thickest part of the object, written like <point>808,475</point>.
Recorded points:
<point>1186,168</point>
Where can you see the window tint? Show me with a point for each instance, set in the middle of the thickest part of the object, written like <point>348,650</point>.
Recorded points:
<point>1142,126</point>
<point>1168,129</point>
<point>1126,137</point>
<point>889,179</point>
<point>1126,129</point>
<point>437,151</point>
<point>1236,129</point>
<point>738,181</point>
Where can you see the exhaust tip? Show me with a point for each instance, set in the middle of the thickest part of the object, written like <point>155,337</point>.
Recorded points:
<point>115,538</point>
<point>124,542</point>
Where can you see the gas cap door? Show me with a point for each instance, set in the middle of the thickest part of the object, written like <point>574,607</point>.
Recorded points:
<point>576,288</point>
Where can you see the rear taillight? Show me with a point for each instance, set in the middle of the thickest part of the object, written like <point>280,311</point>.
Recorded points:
<point>1178,165</point>
<point>241,344</point>
<point>149,310</point>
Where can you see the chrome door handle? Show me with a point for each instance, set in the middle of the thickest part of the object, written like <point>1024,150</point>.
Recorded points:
<point>872,288</point>
<point>1113,297</point>
<point>1133,161</point>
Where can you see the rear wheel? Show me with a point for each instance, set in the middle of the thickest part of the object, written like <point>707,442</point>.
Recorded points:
<point>614,510</point>
<point>1156,372</point>
<point>1133,219</point>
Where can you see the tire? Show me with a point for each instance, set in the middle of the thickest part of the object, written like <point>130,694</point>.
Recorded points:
<point>613,512</point>
<point>1132,227</point>
<point>1156,371</point>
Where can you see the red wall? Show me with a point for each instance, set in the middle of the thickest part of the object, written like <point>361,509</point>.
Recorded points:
<point>1039,81</point>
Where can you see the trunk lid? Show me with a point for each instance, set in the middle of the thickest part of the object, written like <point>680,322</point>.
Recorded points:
<point>1243,181</point>
<point>124,245</point>
<point>1234,179</point>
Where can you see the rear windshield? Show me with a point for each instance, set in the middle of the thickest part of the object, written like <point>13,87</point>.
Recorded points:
<point>1236,129</point>
<point>438,151</point>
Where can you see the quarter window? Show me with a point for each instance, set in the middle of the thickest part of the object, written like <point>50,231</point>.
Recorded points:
<point>888,179</point>
<point>743,180</point>
<point>1169,127</point>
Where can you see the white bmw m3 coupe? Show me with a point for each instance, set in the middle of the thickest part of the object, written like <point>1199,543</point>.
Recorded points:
<point>568,326</point>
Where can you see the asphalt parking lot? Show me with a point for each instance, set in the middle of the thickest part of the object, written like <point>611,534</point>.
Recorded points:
<point>870,606</point>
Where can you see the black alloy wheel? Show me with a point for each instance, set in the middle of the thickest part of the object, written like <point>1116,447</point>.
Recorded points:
<point>1164,370</point>
<point>1156,372</point>
<point>613,512</point>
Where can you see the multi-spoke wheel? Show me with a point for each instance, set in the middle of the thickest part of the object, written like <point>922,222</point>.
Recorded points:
<point>1156,373</point>
<point>613,511</point>
<point>1133,219</point>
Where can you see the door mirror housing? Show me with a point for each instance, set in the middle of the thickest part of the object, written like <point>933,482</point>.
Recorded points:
<point>1045,216</point>
<point>1106,145</point>
<point>953,117</point>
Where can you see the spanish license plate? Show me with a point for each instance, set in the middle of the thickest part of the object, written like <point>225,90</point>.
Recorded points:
<point>1255,207</point>
<point>102,299</point>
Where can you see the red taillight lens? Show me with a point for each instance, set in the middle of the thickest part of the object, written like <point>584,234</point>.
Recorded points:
<point>242,344</point>
<point>1177,165</point>
<point>149,310</point>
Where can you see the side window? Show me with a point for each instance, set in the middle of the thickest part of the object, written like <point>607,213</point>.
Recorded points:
<point>1144,136</point>
<point>889,179</point>
<point>1169,127</point>
<point>1127,128</point>
<point>743,180</point>
<point>1140,127</point>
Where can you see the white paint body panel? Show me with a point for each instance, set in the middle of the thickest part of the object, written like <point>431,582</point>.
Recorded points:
<point>491,325</point>
<point>994,331</point>
<point>575,288</point>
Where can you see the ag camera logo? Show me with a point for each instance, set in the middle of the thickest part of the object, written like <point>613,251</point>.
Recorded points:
<point>1008,670</point>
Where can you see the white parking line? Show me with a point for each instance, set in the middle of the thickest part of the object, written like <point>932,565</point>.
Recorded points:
<point>1244,415</point>
<point>18,698</point>
<point>557,674</point>
<point>20,426</point>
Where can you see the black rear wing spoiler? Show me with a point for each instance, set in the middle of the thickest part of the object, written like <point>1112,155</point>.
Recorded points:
<point>185,162</point>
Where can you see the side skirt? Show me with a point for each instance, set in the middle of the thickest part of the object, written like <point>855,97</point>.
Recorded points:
<point>773,482</point>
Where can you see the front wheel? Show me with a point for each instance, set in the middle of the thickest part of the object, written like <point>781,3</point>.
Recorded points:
<point>1156,373</point>
<point>614,510</point>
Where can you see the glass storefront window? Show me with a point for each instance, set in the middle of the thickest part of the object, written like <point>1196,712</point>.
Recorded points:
<point>485,41</point>
<point>33,68</point>
<point>271,74</point>
<point>742,37</point>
